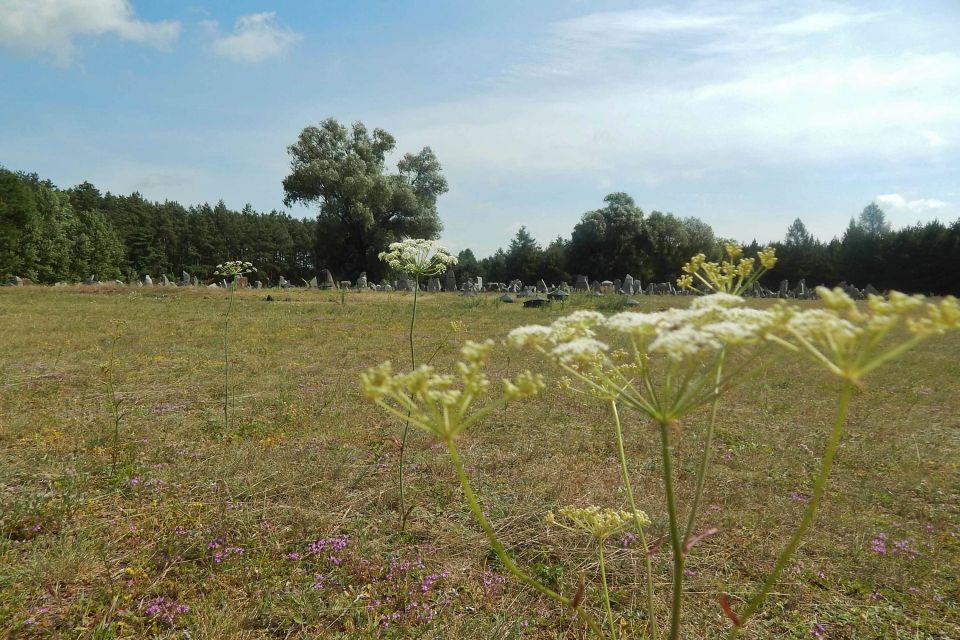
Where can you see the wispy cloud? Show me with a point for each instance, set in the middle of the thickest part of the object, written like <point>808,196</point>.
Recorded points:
<point>590,100</point>
<point>255,37</point>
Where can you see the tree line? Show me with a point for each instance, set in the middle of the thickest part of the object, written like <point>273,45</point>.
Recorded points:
<point>51,235</point>
<point>619,239</point>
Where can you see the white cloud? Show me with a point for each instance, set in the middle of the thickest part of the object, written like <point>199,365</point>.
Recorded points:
<point>256,37</point>
<point>597,101</point>
<point>621,28</point>
<point>896,203</point>
<point>811,23</point>
<point>49,28</point>
<point>903,212</point>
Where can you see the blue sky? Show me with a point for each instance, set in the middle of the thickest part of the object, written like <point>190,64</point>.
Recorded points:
<point>744,114</point>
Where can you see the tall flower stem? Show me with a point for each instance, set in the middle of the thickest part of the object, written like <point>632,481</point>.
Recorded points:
<point>226,356</point>
<point>605,590</point>
<point>704,469</point>
<point>115,405</point>
<point>676,541</point>
<point>406,425</point>
<point>501,552</point>
<point>628,486</point>
<point>819,487</point>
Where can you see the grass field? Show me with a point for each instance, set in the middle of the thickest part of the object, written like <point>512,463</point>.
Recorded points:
<point>284,525</point>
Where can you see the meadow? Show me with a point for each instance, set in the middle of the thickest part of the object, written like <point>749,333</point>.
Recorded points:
<point>285,523</point>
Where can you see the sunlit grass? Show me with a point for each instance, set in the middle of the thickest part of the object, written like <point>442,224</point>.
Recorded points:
<point>306,459</point>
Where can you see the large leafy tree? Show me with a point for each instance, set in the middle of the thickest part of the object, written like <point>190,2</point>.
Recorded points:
<point>607,243</point>
<point>363,207</point>
<point>467,266</point>
<point>669,241</point>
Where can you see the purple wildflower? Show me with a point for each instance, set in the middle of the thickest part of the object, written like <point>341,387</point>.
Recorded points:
<point>164,608</point>
<point>879,543</point>
<point>906,548</point>
<point>818,631</point>
<point>492,583</point>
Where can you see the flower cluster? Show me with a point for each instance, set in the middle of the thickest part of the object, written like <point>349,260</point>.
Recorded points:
<point>164,608</point>
<point>599,523</point>
<point>330,548</point>
<point>709,324</point>
<point>418,257</point>
<point>670,367</point>
<point>850,339</point>
<point>734,275</point>
<point>234,268</point>
<point>435,404</point>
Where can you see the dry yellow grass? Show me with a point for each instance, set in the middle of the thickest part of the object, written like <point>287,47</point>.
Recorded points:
<point>84,554</point>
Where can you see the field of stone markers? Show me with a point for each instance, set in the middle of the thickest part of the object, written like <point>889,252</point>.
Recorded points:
<point>132,507</point>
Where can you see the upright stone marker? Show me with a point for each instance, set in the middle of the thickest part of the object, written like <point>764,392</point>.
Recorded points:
<point>450,281</point>
<point>326,280</point>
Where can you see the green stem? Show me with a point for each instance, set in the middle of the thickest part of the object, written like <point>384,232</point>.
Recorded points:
<point>675,538</point>
<point>819,487</point>
<point>115,404</point>
<point>499,549</point>
<point>651,611</point>
<point>605,590</point>
<point>702,472</point>
<point>226,357</point>
<point>413,320</point>
<point>406,425</point>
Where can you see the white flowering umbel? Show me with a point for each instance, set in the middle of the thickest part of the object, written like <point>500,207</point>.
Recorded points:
<point>736,274</point>
<point>672,363</point>
<point>443,405</point>
<point>670,367</point>
<point>849,340</point>
<point>600,524</point>
<point>234,268</point>
<point>418,257</point>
